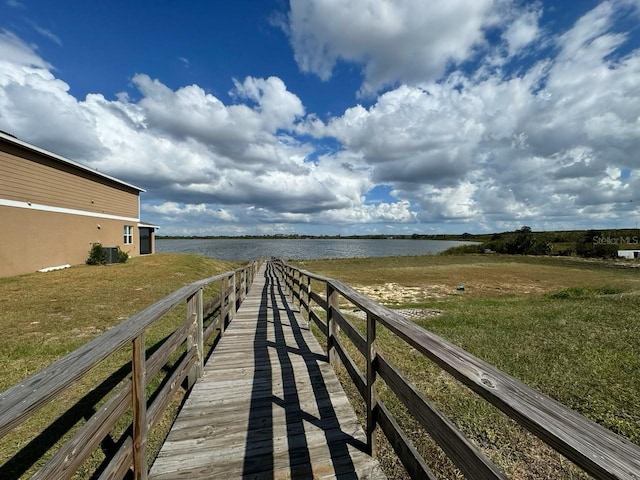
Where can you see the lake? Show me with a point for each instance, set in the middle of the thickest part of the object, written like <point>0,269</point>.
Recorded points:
<point>302,249</point>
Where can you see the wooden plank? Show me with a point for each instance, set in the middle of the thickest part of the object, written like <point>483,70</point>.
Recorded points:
<point>456,446</point>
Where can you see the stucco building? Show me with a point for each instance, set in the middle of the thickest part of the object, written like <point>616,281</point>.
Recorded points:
<point>53,209</point>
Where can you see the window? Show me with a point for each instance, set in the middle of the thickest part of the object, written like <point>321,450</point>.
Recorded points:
<point>128,234</point>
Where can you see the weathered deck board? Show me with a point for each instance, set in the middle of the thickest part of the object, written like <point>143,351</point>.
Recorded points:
<point>268,405</point>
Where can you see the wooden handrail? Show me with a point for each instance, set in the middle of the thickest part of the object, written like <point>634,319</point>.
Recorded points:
<point>597,450</point>
<point>23,400</point>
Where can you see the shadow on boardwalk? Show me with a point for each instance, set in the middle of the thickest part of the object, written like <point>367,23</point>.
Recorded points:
<point>268,406</point>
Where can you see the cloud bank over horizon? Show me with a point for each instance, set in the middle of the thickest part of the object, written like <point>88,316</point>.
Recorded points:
<point>473,116</point>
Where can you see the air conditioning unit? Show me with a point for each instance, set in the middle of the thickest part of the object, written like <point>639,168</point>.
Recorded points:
<point>111,254</point>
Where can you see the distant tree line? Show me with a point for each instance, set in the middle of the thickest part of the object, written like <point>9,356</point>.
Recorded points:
<point>588,244</point>
<point>295,236</point>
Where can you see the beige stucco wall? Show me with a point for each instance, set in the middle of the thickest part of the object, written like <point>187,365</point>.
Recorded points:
<point>32,240</point>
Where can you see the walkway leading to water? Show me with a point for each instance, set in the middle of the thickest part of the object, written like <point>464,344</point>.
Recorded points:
<point>268,405</point>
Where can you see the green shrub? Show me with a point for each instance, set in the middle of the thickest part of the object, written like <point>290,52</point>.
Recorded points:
<point>462,249</point>
<point>580,292</point>
<point>122,256</point>
<point>609,290</point>
<point>98,255</point>
<point>565,252</point>
<point>571,292</point>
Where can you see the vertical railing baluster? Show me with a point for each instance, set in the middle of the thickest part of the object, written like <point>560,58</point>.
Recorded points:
<point>232,299</point>
<point>332,326</point>
<point>139,408</point>
<point>290,278</point>
<point>223,304</point>
<point>195,339</point>
<point>244,283</point>
<point>371,396</point>
<point>308,299</point>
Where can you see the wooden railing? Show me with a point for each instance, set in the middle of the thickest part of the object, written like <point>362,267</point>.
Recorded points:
<point>20,402</point>
<point>596,450</point>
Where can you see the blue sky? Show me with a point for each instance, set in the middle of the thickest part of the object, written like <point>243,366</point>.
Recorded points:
<point>317,116</point>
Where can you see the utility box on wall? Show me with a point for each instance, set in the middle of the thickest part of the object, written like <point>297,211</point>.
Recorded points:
<point>111,254</point>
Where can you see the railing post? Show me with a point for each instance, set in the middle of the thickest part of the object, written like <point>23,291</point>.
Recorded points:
<point>232,299</point>
<point>223,305</point>
<point>371,395</point>
<point>244,283</point>
<point>308,299</point>
<point>308,302</point>
<point>196,338</point>
<point>139,408</point>
<point>332,326</point>
<point>285,272</point>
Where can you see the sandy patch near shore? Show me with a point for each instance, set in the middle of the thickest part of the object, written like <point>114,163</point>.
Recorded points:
<point>408,313</point>
<point>393,293</point>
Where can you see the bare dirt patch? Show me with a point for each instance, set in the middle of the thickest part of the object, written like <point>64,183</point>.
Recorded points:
<point>393,293</point>
<point>408,313</point>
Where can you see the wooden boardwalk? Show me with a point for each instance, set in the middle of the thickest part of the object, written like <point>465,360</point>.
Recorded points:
<point>268,405</point>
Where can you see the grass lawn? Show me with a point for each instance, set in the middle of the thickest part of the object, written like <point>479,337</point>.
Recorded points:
<point>44,316</point>
<point>566,327</point>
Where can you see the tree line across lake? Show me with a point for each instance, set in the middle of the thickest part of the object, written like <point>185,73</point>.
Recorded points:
<point>582,243</point>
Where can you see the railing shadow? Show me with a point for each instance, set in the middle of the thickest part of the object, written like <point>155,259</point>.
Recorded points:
<point>259,451</point>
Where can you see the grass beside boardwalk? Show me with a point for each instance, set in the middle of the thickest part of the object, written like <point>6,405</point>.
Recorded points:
<point>567,327</point>
<point>47,315</point>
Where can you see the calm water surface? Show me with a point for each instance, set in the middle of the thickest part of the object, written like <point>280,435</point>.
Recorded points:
<point>298,249</point>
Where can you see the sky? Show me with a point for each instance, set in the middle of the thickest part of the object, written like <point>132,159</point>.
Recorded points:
<point>338,117</point>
